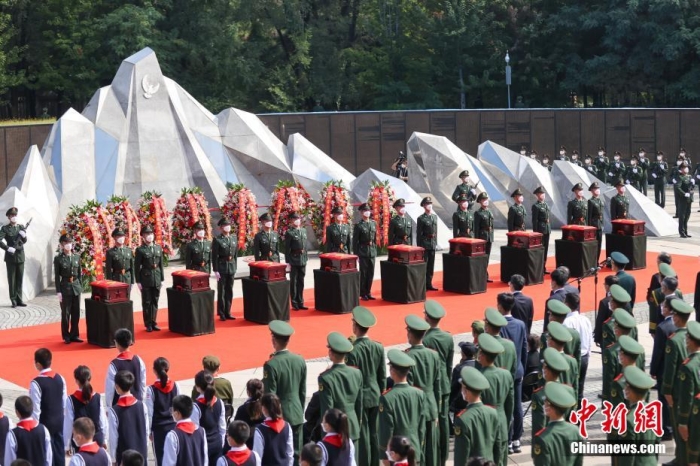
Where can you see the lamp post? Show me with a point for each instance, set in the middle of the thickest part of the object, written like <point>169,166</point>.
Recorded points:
<point>508,80</point>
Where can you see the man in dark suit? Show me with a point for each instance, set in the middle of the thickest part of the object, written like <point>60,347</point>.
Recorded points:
<point>523,308</point>
<point>627,281</point>
<point>559,289</point>
<point>604,311</point>
<point>664,330</point>
<point>655,282</point>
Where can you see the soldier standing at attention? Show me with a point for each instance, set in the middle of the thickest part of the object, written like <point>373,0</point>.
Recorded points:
<point>601,163</point>
<point>557,338</point>
<point>659,170</point>
<point>589,166</point>
<point>463,219</point>
<point>633,174</point>
<point>517,212</point>
<point>644,166</point>
<point>148,269</point>
<point>553,367</point>
<point>577,209</point>
<point>120,261</point>
<point>12,239</point>
<point>533,156</point>
<point>552,444</point>
<point>284,374</point>
<point>365,248</point>
<point>523,151</point>
<point>562,154</point>
<point>596,212</point>
<point>684,189</point>
<point>574,158</point>
<point>483,225</point>
<point>673,176</point>
<point>68,277</point>
<point>464,188</point>
<point>338,233</point>
<point>617,168</point>
<point>368,356</point>
<point>198,252</point>
<point>540,221</point>
<point>619,205</point>
<point>296,256</point>
<point>266,242</point>
<point>400,228</point>
<point>629,353</point>
<point>637,387</point>
<point>689,379</point>
<point>545,162</point>
<point>426,237</point>
<point>224,253</point>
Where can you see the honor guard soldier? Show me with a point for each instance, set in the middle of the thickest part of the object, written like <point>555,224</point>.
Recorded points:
<point>338,233</point>
<point>617,168</point>
<point>426,237</point>
<point>637,386</point>
<point>523,151</point>
<point>574,158</point>
<point>148,268</point>
<point>368,356</point>
<point>365,248</point>
<point>476,431</point>
<point>688,403</point>
<point>463,219</point>
<point>224,257</point>
<point>12,239</point>
<point>553,367</point>
<point>684,194</point>
<point>545,162</point>
<point>667,288</point>
<point>517,212</point>
<point>673,176</point>
<point>540,220</point>
<point>619,299</point>
<point>682,153</point>
<point>644,163</point>
<point>198,251</point>
<point>68,277</point>
<point>696,175</point>
<point>400,227</point>
<point>508,359</point>
<point>577,209</point>
<point>589,166</point>
<point>464,188</point>
<point>596,213</point>
<point>659,170</point>
<point>533,156</point>
<point>558,337</point>
<point>284,374</point>
<point>552,444</point>
<point>619,204</point>
<point>558,312</point>
<point>623,323</point>
<point>483,225</point>
<point>601,163</point>
<point>296,256</point>
<point>634,174</point>
<point>120,260</point>
<point>403,409</point>
<point>562,154</point>
<point>266,242</point>
<point>630,353</point>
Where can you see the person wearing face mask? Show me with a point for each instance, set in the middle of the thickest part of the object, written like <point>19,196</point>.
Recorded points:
<point>589,166</point>
<point>659,170</point>
<point>602,163</point>
<point>533,156</point>
<point>517,213</point>
<point>577,208</point>
<point>619,204</point>
<point>562,154</point>
<point>89,451</point>
<point>596,211</point>
<point>12,239</point>
<point>634,174</point>
<point>575,158</point>
<point>224,254</point>
<point>696,175</point>
<point>68,277</point>
<point>464,188</point>
<point>266,241</point>
<point>198,251</point>
<point>148,270</point>
<point>426,237</point>
<point>365,248</point>
<point>684,155</point>
<point>673,177</point>
<point>523,151</point>
<point>463,220</point>
<point>616,169</point>
<point>296,256</point>
<point>540,220</point>
<point>554,369</point>
<point>545,162</point>
<point>483,225</point>
<point>684,194</point>
<point>400,227</point>
<point>120,260</point>
<point>338,237</point>
<point>643,163</point>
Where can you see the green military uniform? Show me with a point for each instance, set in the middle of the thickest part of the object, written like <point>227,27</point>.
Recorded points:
<point>629,346</point>
<point>688,402</point>
<point>616,170</point>
<point>611,361</point>
<point>637,378</point>
<point>601,163</point>
<point>364,246</point>
<point>476,432</point>
<point>426,237</point>
<point>148,272</point>
<point>561,334</point>
<point>577,209</point>
<point>684,194</point>
<point>12,239</point>
<point>266,243</point>
<point>400,227</point>
<point>464,189</point>
<point>556,365</point>
<point>68,277</point>
<point>551,446</point>
<point>619,205</point>
<point>483,224</point>
<point>285,375</point>
<point>224,254</point>
<point>508,359</point>
<point>540,221</point>
<point>545,163</point>
<point>559,311</point>
<point>657,297</point>
<point>338,234</point>
<point>297,257</point>
<point>516,214</point>
<point>592,169</point>
<point>673,176</point>
<point>659,170</point>
<point>634,175</point>
<point>596,214</point>
<point>644,164</point>
<point>462,222</point>
<point>120,262</point>
<point>198,256</point>
<point>562,155</point>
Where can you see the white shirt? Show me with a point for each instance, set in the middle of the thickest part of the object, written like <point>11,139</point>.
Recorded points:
<point>109,383</point>
<point>259,443</point>
<point>114,428</point>
<point>324,461</point>
<point>578,322</point>
<point>222,461</point>
<point>35,394</point>
<point>197,414</point>
<point>69,417</point>
<point>11,445</point>
<point>171,448</point>
<point>77,460</point>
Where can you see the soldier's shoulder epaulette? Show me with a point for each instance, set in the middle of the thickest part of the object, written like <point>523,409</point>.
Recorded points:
<point>618,377</point>
<point>538,389</point>
<point>461,412</point>
<point>607,320</point>
<point>417,388</point>
<point>686,361</point>
<point>540,431</point>
<point>387,391</point>
<point>610,345</point>
<point>671,335</point>
<point>490,406</point>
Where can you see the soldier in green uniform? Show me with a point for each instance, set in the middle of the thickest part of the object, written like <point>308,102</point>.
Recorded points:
<point>476,432</point>
<point>266,242</point>
<point>558,336</point>
<point>426,375</point>
<point>553,367</point>
<point>120,261</point>
<point>148,272</point>
<point>508,359</point>
<point>464,188</point>
<point>658,296</point>
<point>688,422</point>
<point>620,299</point>
<point>12,239</point>
<point>659,170</point>
<point>338,233</point>
<point>285,375</point>
<point>620,204</point>
<point>545,162</point>
<point>340,386</point>
<point>198,251</point>
<point>403,409</point>
<point>616,169</point>
<point>68,277</point>
<point>633,174</point>
<point>540,220</point>
<point>296,256</point>
<point>575,158</point>
<point>558,312</point>
<point>551,445</point>
<point>364,246</point>
<point>483,225</point>
<point>534,157</point>
<point>637,386</point>
<point>596,213</point>
<point>624,323</point>
<point>577,208</point>
<point>684,194</point>
<point>426,237</point>
<point>602,162</point>
<point>224,257</point>
<point>368,356</point>
<point>562,154</point>
<point>441,341</point>
<point>517,212</point>
<point>400,227</point>
<point>674,174</point>
<point>644,163</point>
<point>590,167</point>
<point>500,393</point>
<point>629,351</point>
<point>463,219</point>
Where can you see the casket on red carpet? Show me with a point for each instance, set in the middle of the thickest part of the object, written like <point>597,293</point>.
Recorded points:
<point>524,239</point>
<point>110,291</point>
<point>190,280</point>
<point>405,254</point>
<point>467,246</point>
<point>338,262</point>
<point>628,227</point>
<point>579,233</point>
<point>267,271</point>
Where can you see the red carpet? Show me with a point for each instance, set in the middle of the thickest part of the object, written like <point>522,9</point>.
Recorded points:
<point>243,345</point>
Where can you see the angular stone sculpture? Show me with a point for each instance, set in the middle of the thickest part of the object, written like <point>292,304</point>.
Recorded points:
<point>312,168</point>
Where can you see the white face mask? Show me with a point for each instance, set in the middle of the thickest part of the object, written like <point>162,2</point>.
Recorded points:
<point>519,199</point>
<point>429,208</point>
<point>120,240</point>
<point>297,222</point>
<point>366,213</point>
<point>268,224</point>
<point>149,238</point>
<point>621,189</point>
<point>587,161</point>
<point>679,162</point>
<point>68,247</point>
<point>540,197</point>
<point>659,158</point>
<point>485,203</point>
<point>340,217</point>
<point>388,455</point>
<point>522,152</point>
<point>545,161</point>
<point>200,233</point>
<point>633,163</point>
<point>596,192</point>
<point>464,205</point>
<point>600,152</point>
<point>574,157</point>
<point>617,158</point>
<point>13,219</point>
<point>561,152</point>
<point>402,210</point>
<point>610,305</point>
<point>641,155</point>
<point>685,171</point>
<point>682,154</point>
<point>323,427</point>
<point>226,228</point>
<point>533,156</point>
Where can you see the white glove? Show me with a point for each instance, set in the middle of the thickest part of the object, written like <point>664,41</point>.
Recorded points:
<point>697,176</point>
<point>674,181</point>
<point>23,233</point>
<point>11,250</point>
<point>473,191</point>
<point>687,194</point>
<point>634,170</point>
<point>60,297</point>
<point>140,286</point>
<point>692,181</point>
<point>627,181</point>
<point>654,175</point>
<point>610,174</point>
<point>217,275</point>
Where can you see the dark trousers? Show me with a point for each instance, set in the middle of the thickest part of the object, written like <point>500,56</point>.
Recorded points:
<point>296,284</point>
<point>15,272</point>
<point>545,243</point>
<point>58,449</point>
<point>516,428</point>
<point>487,249</point>
<point>599,237</point>
<point>444,428</point>
<point>368,451</point>
<point>660,193</point>
<point>665,411</point>
<point>684,207</point>
<point>70,316</point>
<point>644,184</point>
<point>149,302</point>
<point>224,295</point>
<point>676,200</point>
<point>366,275</point>
<point>430,266</point>
<point>582,376</point>
<point>159,442</point>
<point>297,440</point>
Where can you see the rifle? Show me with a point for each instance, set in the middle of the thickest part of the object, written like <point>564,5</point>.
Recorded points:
<point>18,243</point>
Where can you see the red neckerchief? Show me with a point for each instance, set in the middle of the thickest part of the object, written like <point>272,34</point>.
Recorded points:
<point>201,398</point>
<point>169,386</point>
<point>399,463</point>
<point>239,456</point>
<point>187,427</point>
<point>78,394</point>
<point>334,439</point>
<point>2,415</point>
<point>91,447</point>
<point>51,374</point>
<point>28,424</point>
<point>125,355</point>
<point>276,425</point>
<point>127,400</point>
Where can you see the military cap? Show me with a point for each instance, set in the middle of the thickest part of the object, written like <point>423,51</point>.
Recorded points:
<point>641,149</point>
<point>336,210</point>
<point>685,165</point>
<point>562,147</point>
<point>555,360</point>
<point>577,187</point>
<point>635,157</point>
<point>682,149</point>
<point>637,378</point>
<point>624,319</point>
<point>694,330</point>
<point>416,323</point>
<point>363,317</point>
<point>617,152</point>
<point>557,307</point>
<point>426,200</point>
<point>400,359</point>
<point>533,152</point>
<point>464,173</point>
<point>338,343</point>
<point>11,211</point>
<point>223,221</point>
<point>619,182</point>
<point>495,318</point>
<point>517,192</point>
<point>434,309</point>
<point>558,395</point>
<point>471,377</point>
<point>65,239</point>
<point>489,344</point>
<point>659,152</point>
<point>146,229</point>
<point>210,361</point>
<point>478,326</point>
<point>666,270</point>
<point>558,332</point>
<point>681,307</point>
<point>482,196</point>
<point>619,258</point>
<point>281,328</point>
<point>523,147</point>
<point>294,215</point>
<point>265,217</point>
<point>601,148</point>
<point>629,345</point>
<point>539,190</point>
<point>574,152</point>
<point>593,186</point>
<point>588,156</point>
<point>198,226</point>
<point>462,198</point>
<point>467,346</point>
<point>364,207</point>
<point>400,202</point>
<point>117,232</point>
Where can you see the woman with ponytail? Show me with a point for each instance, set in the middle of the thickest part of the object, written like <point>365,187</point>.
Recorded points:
<point>250,412</point>
<point>272,440</point>
<point>159,399</point>
<point>336,445</point>
<point>209,414</point>
<point>400,452</point>
<point>84,402</point>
